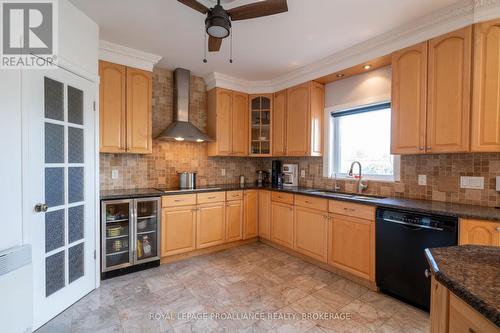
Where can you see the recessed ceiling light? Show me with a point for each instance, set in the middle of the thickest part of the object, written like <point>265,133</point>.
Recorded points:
<point>340,75</point>
<point>367,66</point>
<point>199,140</point>
<point>179,138</point>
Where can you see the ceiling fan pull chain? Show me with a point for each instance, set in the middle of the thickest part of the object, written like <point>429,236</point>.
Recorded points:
<point>205,47</point>
<point>231,47</point>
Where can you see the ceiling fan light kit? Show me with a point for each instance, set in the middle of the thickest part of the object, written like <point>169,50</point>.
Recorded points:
<point>218,21</point>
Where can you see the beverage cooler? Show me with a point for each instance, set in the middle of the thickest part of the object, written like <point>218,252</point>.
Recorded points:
<point>130,235</point>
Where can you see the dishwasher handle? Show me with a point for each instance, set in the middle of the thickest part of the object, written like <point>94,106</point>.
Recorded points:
<point>413,225</point>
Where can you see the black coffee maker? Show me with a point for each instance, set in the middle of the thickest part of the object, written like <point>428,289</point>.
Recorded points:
<point>277,174</point>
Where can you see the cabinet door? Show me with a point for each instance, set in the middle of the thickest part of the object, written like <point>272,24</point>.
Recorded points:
<point>464,319</point>
<point>224,121</point>
<point>139,95</point>
<point>265,214</point>
<point>486,94</point>
<point>317,115</point>
<point>409,100</point>
<point>112,110</point>
<point>251,214</point>
<point>178,230</point>
<point>297,122</point>
<point>448,98</point>
<point>352,245</point>
<point>311,233</point>
<point>439,307</point>
<point>282,224</point>
<point>234,220</point>
<point>278,123</point>
<point>240,124</point>
<point>479,233</point>
<point>210,228</point>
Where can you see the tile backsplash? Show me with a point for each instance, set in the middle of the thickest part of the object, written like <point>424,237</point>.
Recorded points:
<point>159,169</point>
<point>443,177</point>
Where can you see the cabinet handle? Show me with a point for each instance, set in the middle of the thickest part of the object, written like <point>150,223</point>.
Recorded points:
<point>498,229</point>
<point>211,197</point>
<point>471,330</point>
<point>349,209</point>
<point>429,147</point>
<point>421,148</point>
<point>178,200</point>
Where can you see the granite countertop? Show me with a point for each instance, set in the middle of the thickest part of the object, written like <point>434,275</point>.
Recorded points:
<point>423,206</point>
<point>472,273</point>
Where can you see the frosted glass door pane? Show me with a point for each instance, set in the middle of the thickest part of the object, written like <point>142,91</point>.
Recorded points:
<point>54,186</point>
<point>75,145</point>
<point>54,99</point>
<point>76,262</point>
<point>75,106</point>
<point>54,143</point>
<point>75,223</point>
<point>54,230</point>
<point>54,273</point>
<point>75,184</point>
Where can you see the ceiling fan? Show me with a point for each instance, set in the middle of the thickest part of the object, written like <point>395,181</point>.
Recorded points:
<point>218,21</point>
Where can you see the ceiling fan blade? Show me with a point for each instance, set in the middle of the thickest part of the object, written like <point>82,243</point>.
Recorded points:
<point>214,44</point>
<point>258,9</point>
<point>195,5</point>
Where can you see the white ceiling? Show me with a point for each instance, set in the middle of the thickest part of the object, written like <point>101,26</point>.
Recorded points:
<point>263,48</point>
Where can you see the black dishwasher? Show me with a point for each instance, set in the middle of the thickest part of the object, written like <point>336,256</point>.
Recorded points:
<point>401,238</point>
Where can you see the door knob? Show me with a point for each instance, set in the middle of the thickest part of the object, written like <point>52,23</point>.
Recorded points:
<point>41,208</point>
<point>427,273</point>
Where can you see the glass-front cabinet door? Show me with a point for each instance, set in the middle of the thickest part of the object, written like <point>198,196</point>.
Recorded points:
<point>147,237</point>
<point>117,224</point>
<point>260,125</point>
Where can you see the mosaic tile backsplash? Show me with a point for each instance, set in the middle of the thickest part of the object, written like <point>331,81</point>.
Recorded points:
<point>159,169</point>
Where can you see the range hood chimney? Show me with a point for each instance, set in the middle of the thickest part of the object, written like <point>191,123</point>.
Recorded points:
<point>181,129</point>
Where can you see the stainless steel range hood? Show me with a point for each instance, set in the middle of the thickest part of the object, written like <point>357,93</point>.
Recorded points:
<point>181,129</point>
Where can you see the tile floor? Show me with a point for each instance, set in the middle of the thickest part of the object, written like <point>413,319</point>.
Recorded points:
<point>241,281</point>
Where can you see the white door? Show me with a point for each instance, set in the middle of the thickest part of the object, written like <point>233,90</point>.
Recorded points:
<point>59,172</point>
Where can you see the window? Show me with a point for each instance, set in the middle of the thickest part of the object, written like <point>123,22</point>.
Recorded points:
<point>364,134</point>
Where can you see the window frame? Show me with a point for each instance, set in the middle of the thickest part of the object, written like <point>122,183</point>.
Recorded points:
<point>334,153</point>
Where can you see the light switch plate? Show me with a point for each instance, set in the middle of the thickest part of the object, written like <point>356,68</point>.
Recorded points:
<point>303,173</point>
<point>498,183</point>
<point>422,180</point>
<point>223,172</point>
<point>476,183</point>
<point>114,174</point>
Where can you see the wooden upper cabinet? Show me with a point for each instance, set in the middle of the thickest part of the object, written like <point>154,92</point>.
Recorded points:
<point>409,96</point>
<point>449,91</point>
<point>125,109</point>
<point>297,122</point>
<point>112,107</point>
<point>278,123</point>
<point>240,124</point>
<point>261,107</point>
<point>486,88</point>
<point>250,214</point>
<point>304,119</point>
<point>227,122</point>
<point>139,122</point>
<point>479,232</point>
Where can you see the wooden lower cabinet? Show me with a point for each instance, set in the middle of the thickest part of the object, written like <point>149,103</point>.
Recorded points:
<point>234,220</point>
<point>251,214</point>
<point>265,214</point>
<point>311,233</point>
<point>351,245</point>
<point>479,232</point>
<point>440,299</point>
<point>210,226</point>
<point>178,231</point>
<point>464,319</point>
<point>282,224</point>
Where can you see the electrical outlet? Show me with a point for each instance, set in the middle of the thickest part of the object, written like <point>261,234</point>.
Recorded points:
<point>302,173</point>
<point>114,174</point>
<point>223,172</point>
<point>422,180</point>
<point>476,183</point>
<point>498,183</point>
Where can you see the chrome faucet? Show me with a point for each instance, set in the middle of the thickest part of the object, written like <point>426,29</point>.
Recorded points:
<point>361,186</point>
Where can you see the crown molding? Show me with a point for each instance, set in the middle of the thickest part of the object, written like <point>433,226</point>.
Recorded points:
<point>450,18</point>
<point>127,56</point>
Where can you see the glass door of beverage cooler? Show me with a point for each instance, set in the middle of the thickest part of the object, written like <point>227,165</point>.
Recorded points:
<point>147,230</point>
<point>117,230</point>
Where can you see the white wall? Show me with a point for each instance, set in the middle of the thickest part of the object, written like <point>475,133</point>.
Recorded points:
<point>10,165</point>
<point>363,89</point>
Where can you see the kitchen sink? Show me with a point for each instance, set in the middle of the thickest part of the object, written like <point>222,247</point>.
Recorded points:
<point>344,195</point>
